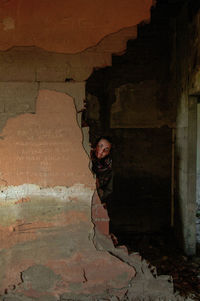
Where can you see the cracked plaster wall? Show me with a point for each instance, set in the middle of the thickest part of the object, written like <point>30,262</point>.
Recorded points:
<point>47,250</point>
<point>45,202</point>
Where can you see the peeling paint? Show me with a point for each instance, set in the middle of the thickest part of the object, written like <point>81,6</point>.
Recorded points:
<point>47,151</point>
<point>21,194</point>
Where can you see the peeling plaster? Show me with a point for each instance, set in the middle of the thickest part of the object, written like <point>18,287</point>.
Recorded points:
<point>46,151</point>
<point>9,195</point>
<point>35,64</point>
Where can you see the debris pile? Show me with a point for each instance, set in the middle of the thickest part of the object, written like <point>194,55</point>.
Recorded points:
<point>161,251</point>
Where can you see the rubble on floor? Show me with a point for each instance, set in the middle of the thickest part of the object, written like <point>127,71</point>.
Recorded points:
<point>161,251</point>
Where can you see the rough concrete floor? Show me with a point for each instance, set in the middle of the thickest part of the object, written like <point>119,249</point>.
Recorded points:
<point>161,250</point>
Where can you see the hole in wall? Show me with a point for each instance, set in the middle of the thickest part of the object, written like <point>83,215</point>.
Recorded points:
<point>69,80</point>
<point>128,102</point>
<point>142,171</point>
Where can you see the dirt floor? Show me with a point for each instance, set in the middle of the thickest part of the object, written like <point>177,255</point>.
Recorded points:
<point>161,250</point>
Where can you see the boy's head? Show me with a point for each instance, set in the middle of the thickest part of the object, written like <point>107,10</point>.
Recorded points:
<point>103,148</point>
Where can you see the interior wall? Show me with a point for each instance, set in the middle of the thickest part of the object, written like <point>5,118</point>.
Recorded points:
<point>142,185</point>
<point>185,77</point>
<point>66,27</point>
<point>48,50</point>
<point>48,249</point>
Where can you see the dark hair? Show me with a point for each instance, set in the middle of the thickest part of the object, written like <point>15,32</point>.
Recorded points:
<point>105,138</point>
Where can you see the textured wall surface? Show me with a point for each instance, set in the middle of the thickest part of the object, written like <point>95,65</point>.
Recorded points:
<point>44,148</point>
<point>187,83</point>
<point>64,26</point>
<point>132,104</point>
<point>48,247</point>
<point>46,230</point>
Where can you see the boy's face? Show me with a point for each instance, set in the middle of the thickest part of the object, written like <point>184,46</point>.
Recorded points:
<point>102,149</point>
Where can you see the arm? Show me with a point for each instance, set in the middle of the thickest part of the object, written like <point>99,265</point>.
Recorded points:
<point>105,187</point>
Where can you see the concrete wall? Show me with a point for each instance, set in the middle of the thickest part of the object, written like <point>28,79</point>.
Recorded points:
<point>185,77</point>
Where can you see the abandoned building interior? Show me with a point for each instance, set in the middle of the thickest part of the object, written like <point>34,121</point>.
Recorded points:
<point>73,71</point>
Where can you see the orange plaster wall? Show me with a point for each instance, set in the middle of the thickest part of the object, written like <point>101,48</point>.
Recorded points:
<point>66,26</point>
<point>45,148</point>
